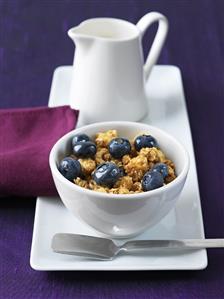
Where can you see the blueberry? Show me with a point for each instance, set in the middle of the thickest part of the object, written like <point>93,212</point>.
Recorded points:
<point>162,168</point>
<point>122,171</point>
<point>118,147</point>
<point>152,180</point>
<point>145,141</point>
<point>84,149</point>
<point>70,168</point>
<point>80,137</point>
<point>107,174</point>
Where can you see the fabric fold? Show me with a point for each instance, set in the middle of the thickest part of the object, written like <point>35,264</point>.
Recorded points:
<point>26,138</point>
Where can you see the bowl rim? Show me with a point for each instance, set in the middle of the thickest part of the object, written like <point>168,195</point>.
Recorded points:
<point>142,195</point>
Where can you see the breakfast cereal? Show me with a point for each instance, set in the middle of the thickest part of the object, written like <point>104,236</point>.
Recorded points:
<point>120,166</point>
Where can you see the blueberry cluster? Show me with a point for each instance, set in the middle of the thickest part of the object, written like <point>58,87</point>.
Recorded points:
<point>108,173</point>
<point>82,147</point>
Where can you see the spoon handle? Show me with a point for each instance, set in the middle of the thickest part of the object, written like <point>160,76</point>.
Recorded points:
<point>144,245</point>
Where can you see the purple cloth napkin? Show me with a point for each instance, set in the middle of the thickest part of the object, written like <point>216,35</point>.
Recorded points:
<point>26,138</point>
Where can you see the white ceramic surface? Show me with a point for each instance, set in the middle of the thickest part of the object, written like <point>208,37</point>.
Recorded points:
<point>109,72</point>
<point>168,112</point>
<point>119,215</point>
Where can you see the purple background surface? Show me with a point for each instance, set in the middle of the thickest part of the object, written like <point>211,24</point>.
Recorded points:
<point>33,42</point>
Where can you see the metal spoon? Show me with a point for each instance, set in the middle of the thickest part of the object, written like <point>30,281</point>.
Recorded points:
<point>106,249</point>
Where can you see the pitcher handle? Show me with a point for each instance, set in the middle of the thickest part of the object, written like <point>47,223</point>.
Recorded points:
<point>159,39</point>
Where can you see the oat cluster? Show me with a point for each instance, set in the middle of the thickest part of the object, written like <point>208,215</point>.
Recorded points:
<point>135,165</point>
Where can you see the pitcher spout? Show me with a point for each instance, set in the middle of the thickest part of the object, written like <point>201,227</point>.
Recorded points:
<point>79,37</point>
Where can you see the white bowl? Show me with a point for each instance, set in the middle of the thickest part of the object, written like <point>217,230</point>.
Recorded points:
<point>119,215</point>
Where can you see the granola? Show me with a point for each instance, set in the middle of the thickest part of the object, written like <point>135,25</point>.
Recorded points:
<point>133,165</point>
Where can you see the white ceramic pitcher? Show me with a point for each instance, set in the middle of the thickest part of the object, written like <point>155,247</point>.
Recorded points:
<point>109,74</point>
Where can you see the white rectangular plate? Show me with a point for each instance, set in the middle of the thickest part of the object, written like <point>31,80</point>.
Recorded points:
<point>168,112</point>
